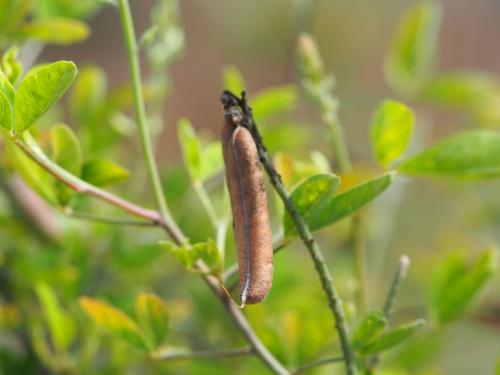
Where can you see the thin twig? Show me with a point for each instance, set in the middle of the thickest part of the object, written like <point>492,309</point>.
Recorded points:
<point>234,105</point>
<point>319,362</point>
<point>108,219</point>
<point>358,246</point>
<point>173,354</point>
<point>399,276</point>
<point>140,113</point>
<point>33,151</point>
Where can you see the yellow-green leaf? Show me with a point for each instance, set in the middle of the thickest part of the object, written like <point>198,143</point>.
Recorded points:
<point>152,315</point>
<point>62,31</point>
<point>7,99</point>
<point>273,101</point>
<point>66,153</point>
<point>103,172</point>
<point>191,148</point>
<point>391,129</point>
<point>411,57</point>
<point>188,255</point>
<point>393,337</point>
<point>61,326</point>
<point>88,94</point>
<point>5,112</point>
<point>311,198</point>
<point>40,89</point>
<point>233,80</point>
<point>368,330</point>
<point>470,154</point>
<point>10,64</point>
<point>114,321</point>
<point>332,208</point>
<point>467,90</point>
<point>456,284</point>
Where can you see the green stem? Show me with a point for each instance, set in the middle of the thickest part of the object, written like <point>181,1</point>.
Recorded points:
<point>357,233</point>
<point>334,301</point>
<point>108,219</point>
<point>206,202</point>
<point>140,112</point>
<point>338,141</point>
<point>358,245</point>
<point>399,276</point>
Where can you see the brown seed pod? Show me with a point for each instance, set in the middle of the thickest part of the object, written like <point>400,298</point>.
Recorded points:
<point>250,213</point>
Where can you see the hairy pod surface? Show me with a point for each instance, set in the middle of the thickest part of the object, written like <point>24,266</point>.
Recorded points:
<point>250,212</point>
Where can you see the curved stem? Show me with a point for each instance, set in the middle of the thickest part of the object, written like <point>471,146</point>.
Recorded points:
<point>140,113</point>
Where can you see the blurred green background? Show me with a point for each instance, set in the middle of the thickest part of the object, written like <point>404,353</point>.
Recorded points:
<point>41,249</point>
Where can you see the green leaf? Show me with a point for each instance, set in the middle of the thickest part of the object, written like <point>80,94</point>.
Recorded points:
<point>7,99</point>
<point>41,88</point>
<point>61,326</point>
<point>199,168</point>
<point>152,315</point>
<point>233,80</point>
<point>47,9</point>
<point>188,255</point>
<point>391,129</point>
<point>274,101</point>
<point>412,54</point>
<point>61,31</point>
<point>66,153</point>
<point>66,150</point>
<point>114,321</point>
<point>368,330</point>
<point>471,154</point>
<point>394,337</point>
<point>88,94</point>
<point>212,161</point>
<point>334,208</point>
<point>311,197</point>
<point>466,90</point>
<point>210,254</point>
<point>182,253</point>
<point>455,285</point>
<point>10,65</point>
<point>191,148</point>
<point>12,15</point>
<point>6,114</point>
<point>103,172</point>
<point>7,88</point>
